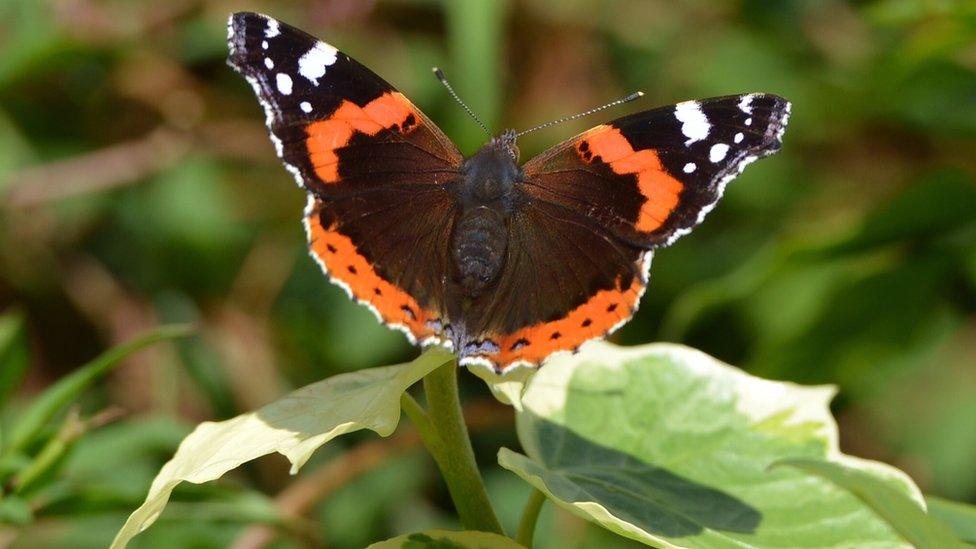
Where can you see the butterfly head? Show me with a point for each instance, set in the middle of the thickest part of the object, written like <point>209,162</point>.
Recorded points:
<point>492,173</point>
<point>506,142</point>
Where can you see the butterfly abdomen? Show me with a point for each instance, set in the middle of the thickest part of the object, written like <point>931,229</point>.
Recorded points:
<point>486,196</point>
<point>480,241</point>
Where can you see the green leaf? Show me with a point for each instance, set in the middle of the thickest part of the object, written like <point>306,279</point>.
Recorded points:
<point>13,353</point>
<point>959,516</point>
<point>57,397</point>
<point>508,387</point>
<point>294,426</point>
<point>16,511</point>
<point>49,460</point>
<point>444,539</point>
<point>904,514</point>
<point>669,447</point>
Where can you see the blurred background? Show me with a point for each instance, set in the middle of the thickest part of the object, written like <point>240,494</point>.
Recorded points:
<point>138,187</point>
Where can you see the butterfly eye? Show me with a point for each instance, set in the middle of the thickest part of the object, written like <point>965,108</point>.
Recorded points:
<point>507,139</point>
<point>514,151</point>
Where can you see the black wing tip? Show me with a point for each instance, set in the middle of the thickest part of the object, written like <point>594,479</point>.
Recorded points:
<point>240,25</point>
<point>775,110</point>
<point>240,19</point>
<point>779,118</point>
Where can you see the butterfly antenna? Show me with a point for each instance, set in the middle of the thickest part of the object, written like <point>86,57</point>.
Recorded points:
<point>440,76</point>
<point>628,99</point>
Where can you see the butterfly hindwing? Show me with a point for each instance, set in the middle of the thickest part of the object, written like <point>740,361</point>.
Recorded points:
<point>393,272</point>
<point>377,170</point>
<point>652,176</point>
<point>573,280</point>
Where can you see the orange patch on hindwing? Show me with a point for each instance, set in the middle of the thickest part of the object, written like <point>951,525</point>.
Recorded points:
<point>340,259</point>
<point>325,137</point>
<point>661,191</point>
<point>601,314</point>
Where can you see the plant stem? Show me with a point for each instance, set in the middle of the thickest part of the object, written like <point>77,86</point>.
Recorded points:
<point>454,456</point>
<point>421,421</point>
<point>526,527</point>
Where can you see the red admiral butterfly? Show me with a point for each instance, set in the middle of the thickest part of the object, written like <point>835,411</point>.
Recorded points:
<point>505,264</point>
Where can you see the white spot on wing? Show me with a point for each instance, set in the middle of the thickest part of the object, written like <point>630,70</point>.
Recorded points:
<point>745,103</point>
<point>694,123</point>
<point>645,263</point>
<point>284,83</point>
<point>785,120</point>
<point>312,64</point>
<point>689,167</point>
<point>305,106</point>
<point>749,121</point>
<point>739,137</point>
<point>274,29</point>
<point>717,152</point>
<point>264,44</point>
<point>268,63</point>
<point>278,145</point>
<point>270,116</point>
<point>477,361</point>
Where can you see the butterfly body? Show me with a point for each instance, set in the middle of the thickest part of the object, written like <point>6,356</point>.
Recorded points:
<point>487,195</point>
<point>506,264</point>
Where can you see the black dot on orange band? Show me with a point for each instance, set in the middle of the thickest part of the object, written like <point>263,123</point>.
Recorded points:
<point>556,335</point>
<point>331,248</point>
<point>408,312</point>
<point>352,269</point>
<point>586,323</point>
<point>612,307</point>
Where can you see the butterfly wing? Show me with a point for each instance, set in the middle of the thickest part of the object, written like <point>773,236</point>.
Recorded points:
<point>370,161</point>
<point>596,206</point>
<point>651,177</point>
<point>566,281</point>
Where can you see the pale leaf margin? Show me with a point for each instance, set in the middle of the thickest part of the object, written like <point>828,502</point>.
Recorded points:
<point>293,426</point>
<point>507,388</point>
<point>759,400</point>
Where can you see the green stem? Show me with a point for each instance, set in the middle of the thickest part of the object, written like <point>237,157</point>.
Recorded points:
<point>454,456</point>
<point>418,416</point>
<point>530,515</point>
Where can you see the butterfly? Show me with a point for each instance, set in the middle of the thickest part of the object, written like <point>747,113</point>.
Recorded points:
<point>504,263</point>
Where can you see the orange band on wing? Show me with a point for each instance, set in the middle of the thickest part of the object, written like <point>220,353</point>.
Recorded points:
<point>595,318</point>
<point>347,267</point>
<point>325,137</point>
<point>661,191</point>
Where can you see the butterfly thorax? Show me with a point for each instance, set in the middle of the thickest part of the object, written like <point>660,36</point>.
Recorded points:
<point>487,196</point>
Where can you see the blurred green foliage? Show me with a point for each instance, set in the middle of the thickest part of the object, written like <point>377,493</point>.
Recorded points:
<point>138,187</point>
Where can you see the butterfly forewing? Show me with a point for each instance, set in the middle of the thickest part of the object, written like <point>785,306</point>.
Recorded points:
<point>378,171</point>
<point>323,107</point>
<point>652,176</point>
